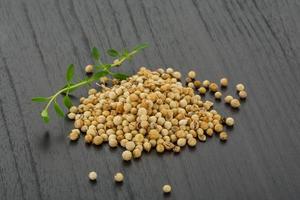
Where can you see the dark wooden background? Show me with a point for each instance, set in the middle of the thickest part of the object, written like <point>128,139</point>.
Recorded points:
<point>254,42</point>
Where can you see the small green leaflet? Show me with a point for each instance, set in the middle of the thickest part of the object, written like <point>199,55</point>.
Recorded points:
<point>45,116</point>
<point>99,75</point>
<point>39,99</point>
<point>95,54</point>
<point>120,76</point>
<point>140,47</point>
<point>112,52</point>
<point>70,73</point>
<point>58,110</point>
<point>67,101</point>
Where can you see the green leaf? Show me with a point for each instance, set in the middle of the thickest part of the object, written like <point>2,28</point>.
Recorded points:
<point>70,72</point>
<point>58,110</point>
<point>95,54</point>
<point>140,47</point>
<point>112,52</point>
<point>45,116</point>
<point>120,76</point>
<point>67,101</point>
<point>100,74</point>
<point>39,99</point>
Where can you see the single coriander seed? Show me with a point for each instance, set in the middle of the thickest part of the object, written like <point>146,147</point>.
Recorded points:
<point>197,84</point>
<point>192,74</point>
<point>167,188</point>
<point>73,136</point>
<point>240,87</point>
<point>89,69</point>
<point>206,83</point>
<point>235,103</point>
<point>218,95</point>
<point>224,82</point>
<point>223,136</point>
<point>228,99</point>
<point>119,177</point>
<point>127,155</point>
<point>243,94</point>
<point>229,121</point>
<point>213,87</point>
<point>202,90</point>
<point>92,176</point>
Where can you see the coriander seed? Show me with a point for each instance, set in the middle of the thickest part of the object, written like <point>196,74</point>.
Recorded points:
<point>127,155</point>
<point>228,99</point>
<point>73,136</point>
<point>92,176</point>
<point>224,82</point>
<point>235,103</point>
<point>167,188</point>
<point>192,74</point>
<point>119,177</point>
<point>89,69</point>
<point>243,94</point>
<point>229,121</point>
<point>223,136</point>
<point>202,90</point>
<point>218,95</point>
<point>240,87</point>
<point>213,87</point>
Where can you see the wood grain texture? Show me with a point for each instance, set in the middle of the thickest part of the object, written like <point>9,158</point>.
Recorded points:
<point>255,42</point>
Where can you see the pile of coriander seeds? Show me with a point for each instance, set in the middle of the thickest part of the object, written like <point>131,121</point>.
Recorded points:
<point>152,110</point>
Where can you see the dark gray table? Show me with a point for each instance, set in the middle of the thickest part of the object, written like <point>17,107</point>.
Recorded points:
<point>254,42</point>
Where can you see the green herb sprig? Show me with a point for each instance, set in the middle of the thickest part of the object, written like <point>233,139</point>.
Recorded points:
<point>101,69</point>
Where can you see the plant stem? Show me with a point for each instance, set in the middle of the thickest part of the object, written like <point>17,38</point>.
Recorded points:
<point>53,97</point>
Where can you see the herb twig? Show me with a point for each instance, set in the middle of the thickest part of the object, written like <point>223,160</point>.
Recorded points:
<point>102,69</point>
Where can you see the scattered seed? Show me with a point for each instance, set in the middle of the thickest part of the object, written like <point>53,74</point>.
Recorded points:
<point>223,136</point>
<point>243,94</point>
<point>240,87</point>
<point>119,177</point>
<point>228,99</point>
<point>224,82</point>
<point>235,103</point>
<point>89,69</point>
<point>167,188</point>
<point>218,95</point>
<point>192,74</point>
<point>229,121</point>
<point>92,176</point>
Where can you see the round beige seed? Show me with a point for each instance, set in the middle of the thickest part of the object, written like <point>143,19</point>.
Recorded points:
<point>223,136</point>
<point>97,140</point>
<point>240,87</point>
<point>167,188</point>
<point>192,142</point>
<point>192,74</point>
<point>73,136</point>
<point>202,90</point>
<point>235,103</point>
<point>137,153</point>
<point>113,143</point>
<point>92,176</point>
<point>181,142</point>
<point>229,121</point>
<point>89,69</point>
<point>228,99</point>
<point>119,177</point>
<point>243,94</point>
<point>218,95</point>
<point>127,155</point>
<point>130,146</point>
<point>224,82</point>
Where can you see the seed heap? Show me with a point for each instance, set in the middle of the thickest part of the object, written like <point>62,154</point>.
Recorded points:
<point>150,110</point>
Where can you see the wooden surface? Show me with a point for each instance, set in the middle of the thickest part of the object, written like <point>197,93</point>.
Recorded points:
<point>254,42</point>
